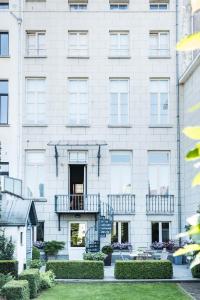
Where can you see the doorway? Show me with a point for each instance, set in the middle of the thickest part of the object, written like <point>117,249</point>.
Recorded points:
<point>77,231</point>
<point>77,186</point>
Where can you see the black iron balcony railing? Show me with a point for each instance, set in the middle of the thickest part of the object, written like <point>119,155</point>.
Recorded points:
<point>159,204</point>
<point>122,203</point>
<point>77,203</point>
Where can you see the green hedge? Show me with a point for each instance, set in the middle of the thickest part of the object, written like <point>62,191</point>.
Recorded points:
<point>196,271</point>
<point>143,269</point>
<point>9,266</point>
<point>16,290</point>
<point>64,269</point>
<point>33,278</point>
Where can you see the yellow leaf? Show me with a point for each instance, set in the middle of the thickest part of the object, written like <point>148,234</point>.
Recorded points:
<point>192,231</point>
<point>195,5</point>
<point>194,107</point>
<point>186,249</point>
<point>196,261</point>
<point>196,180</point>
<point>192,132</point>
<point>189,43</point>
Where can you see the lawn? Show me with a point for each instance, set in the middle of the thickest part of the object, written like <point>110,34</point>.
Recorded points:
<point>114,291</point>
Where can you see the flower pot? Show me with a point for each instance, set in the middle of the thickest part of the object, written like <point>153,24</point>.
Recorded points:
<point>108,260</point>
<point>178,260</point>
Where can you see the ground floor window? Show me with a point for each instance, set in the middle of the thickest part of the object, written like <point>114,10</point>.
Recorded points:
<point>160,231</point>
<point>40,232</point>
<point>120,232</point>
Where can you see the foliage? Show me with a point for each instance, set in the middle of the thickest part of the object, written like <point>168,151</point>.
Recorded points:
<point>4,278</point>
<point>9,267</point>
<point>196,271</point>
<point>121,246</point>
<point>6,248</point>
<point>143,269</point>
<point>35,264</point>
<point>16,290</point>
<point>35,253</point>
<point>33,278</point>
<point>99,256</point>
<point>47,280</point>
<point>39,245</point>
<point>189,43</point>
<point>65,269</point>
<point>107,249</point>
<point>52,247</point>
<point>170,245</point>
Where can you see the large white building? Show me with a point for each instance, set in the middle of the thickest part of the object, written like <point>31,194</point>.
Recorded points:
<point>92,123</point>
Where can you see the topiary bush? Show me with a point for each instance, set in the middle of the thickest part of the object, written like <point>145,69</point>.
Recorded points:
<point>9,267</point>
<point>35,253</point>
<point>4,278</point>
<point>16,290</point>
<point>33,278</point>
<point>64,269</point>
<point>47,280</point>
<point>196,271</point>
<point>52,247</point>
<point>143,269</point>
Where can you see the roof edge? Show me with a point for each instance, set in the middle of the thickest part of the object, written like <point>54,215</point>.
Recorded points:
<point>191,68</point>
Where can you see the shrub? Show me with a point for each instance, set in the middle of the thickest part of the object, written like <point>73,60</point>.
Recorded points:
<point>16,290</point>
<point>9,266</point>
<point>35,253</point>
<point>196,271</point>
<point>107,249</point>
<point>35,264</point>
<point>4,278</point>
<point>52,247</point>
<point>6,248</point>
<point>143,269</point>
<point>47,280</point>
<point>33,278</point>
<point>99,256</point>
<point>64,269</point>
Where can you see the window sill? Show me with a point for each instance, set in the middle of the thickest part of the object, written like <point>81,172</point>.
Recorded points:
<point>119,57</point>
<point>161,126</point>
<point>119,126</point>
<point>78,125</point>
<point>5,56</point>
<point>78,57</point>
<point>38,199</point>
<point>159,57</point>
<point>35,125</point>
<point>4,125</point>
<point>26,56</point>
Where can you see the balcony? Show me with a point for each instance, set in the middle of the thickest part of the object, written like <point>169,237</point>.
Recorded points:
<point>160,204</point>
<point>122,204</point>
<point>77,203</point>
<point>11,186</point>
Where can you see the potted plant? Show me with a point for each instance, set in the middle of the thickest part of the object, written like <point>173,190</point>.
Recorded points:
<point>51,248</point>
<point>108,250</point>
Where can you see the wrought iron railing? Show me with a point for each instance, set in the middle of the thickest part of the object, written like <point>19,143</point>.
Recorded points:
<point>159,204</point>
<point>122,203</point>
<point>77,203</point>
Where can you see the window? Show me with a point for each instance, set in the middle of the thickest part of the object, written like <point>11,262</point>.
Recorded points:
<point>78,7</point>
<point>159,172</point>
<point>35,101</point>
<point>78,44</point>
<point>159,44</point>
<point>4,5</point>
<point>4,44</point>
<point>3,101</point>
<point>119,102</point>
<point>118,6</point>
<point>35,173</point>
<point>4,168</point>
<point>119,44</point>
<point>120,232</point>
<point>78,157</point>
<point>36,43</point>
<point>40,231</point>
<point>78,101</point>
<point>121,172</point>
<point>21,238</point>
<point>159,96</point>
<point>160,231</point>
<point>159,4</point>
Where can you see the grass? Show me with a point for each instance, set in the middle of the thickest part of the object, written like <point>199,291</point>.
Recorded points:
<point>114,291</point>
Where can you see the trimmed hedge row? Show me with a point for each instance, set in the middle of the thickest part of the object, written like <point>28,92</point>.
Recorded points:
<point>9,266</point>
<point>64,269</point>
<point>196,271</point>
<point>33,278</point>
<point>143,269</point>
<point>16,290</point>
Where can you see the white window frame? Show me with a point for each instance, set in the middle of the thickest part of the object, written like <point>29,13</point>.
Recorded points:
<point>117,6</point>
<point>158,4</point>
<point>160,230</point>
<point>119,51</point>
<point>78,5</point>
<point>78,159</point>
<point>120,230</point>
<point>158,52</point>
<point>37,49</point>
<point>159,119</point>
<point>76,48</point>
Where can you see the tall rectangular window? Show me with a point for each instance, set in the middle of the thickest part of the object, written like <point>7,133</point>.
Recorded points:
<point>159,172</point>
<point>159,4</point>
<point>159,44</point>
<point>35,101</point>
<point>36,43</point>
<point>160,231</point>
<point>40,232</point>
<point>119,102</point>
<point>35,173</point>
<point>121,172</point>
<point>119,44</point>
<point>4,43</point>
<point>4,4</point>
<point>159,94</point>
<point>120,232</point>
<point>3,101</point>
<point>78,43</point>
<point>78,102</point>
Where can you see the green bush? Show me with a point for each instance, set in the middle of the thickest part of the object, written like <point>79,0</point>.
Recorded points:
<point>196,271</point>
<point>52,247</point>
<point>35,253</point>
<point>33,278</point>
<point>6,248</point>
<point>9,266</point>
<point>4,278</point>
<point>47,280</point>
<point>64,269</point>
<point>107,249</point>
<point>99,256</point>
<point>35,264</point>
<point>143,269</point>
<point>16,290</point>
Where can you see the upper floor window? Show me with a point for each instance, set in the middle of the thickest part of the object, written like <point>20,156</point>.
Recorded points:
<point>159,43</point>
<point>4,4</point>
<point>3,101</point>
<point>159,94</point>
<point>78,43</point>
<point>118,6</point>
<point>36,43</point>
<point>4,168</point>
<point>4,43</point>
<point>119,43</point>
<point>78,7</point>
<point>159,4</point>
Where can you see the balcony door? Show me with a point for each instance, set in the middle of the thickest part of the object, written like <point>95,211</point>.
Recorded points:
<point>77,186</point>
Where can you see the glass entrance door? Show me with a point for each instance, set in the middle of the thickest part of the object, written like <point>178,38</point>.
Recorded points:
<point>77,231</point>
